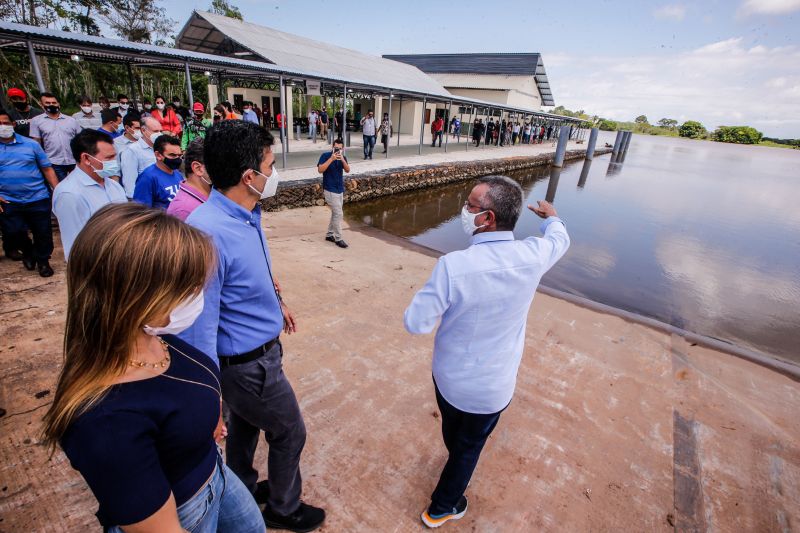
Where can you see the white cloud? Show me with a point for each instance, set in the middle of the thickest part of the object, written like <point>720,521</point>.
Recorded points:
<point>670,12</point>
<point>721,83</point>
<point>768,7</point>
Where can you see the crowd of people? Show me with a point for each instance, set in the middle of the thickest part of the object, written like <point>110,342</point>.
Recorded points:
<point>174,316</point>
<point>506,132</point>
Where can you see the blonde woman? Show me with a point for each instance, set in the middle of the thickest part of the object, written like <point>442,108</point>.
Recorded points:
<point>136,409</point>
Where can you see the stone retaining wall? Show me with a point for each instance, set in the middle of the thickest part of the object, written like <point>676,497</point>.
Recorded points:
<point>367,185</point>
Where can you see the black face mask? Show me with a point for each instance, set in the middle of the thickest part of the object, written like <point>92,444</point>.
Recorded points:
<point>21,105</point>
<point>173,163</point>
<point>52,109</point>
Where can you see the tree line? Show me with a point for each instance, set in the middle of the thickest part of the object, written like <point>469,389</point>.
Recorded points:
<point>690,129</point>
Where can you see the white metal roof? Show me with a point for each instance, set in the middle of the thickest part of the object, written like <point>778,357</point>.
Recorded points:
<point>300,53</point>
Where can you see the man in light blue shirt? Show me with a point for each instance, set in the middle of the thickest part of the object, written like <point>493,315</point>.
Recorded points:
<point>243,315</point>
<point>482,296</point>
<point>139,155</point>
<point>87,188</point>
<point>248,114</point>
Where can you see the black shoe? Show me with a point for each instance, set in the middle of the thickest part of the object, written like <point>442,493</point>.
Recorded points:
<point>15,255</point>
<point>438,520</point>
<point>305,518</point>
<point>330,238</point>
<point>45,270</point>
<point>29,263</point>
<point>262,492</point>
<point>341,244</point>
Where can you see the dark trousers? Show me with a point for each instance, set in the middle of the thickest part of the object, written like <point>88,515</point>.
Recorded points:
<point>17,218</point>
<point>62,171</point>
<point>464,437</point>
<point>437,135</point>
<point>369,144</point>
<point>260,398</point>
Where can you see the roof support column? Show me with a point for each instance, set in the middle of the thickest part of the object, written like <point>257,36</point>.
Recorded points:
<point>344,118</point>
<point>189,91</point>
<point>446,128</point>
<point>36,70</point>
<point>389,133</point>
<point>400,121</point>
<point>422,124</point>
<point>469,133</point>
<point>283,121</point>
<point>132,81</point>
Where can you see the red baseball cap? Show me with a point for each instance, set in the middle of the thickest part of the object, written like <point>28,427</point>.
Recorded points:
<point>19,93</point>
<point>198,107</point>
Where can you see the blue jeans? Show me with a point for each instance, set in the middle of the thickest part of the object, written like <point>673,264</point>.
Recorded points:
<point>312,131</point>
<point>369,144</point>
<point>224,505</point>
<point>464,436</point>
<point>62,171</point>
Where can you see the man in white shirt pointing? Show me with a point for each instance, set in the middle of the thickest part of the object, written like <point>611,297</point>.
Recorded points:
<point>482,295</point>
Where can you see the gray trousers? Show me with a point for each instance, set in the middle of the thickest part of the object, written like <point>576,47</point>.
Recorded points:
<point>335,202</point>
<point>259,397</point>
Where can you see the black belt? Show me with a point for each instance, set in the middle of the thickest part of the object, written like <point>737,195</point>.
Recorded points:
<point>252,355</point>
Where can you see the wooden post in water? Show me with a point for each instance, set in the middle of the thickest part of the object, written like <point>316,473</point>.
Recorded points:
<point>617,142</point>
<point>561,149</point>
<point>592,142</point>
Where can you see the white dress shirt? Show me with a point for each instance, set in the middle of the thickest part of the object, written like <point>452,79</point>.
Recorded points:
<point>483,295</point>
<point>77,198</point>
<point>137,157</point>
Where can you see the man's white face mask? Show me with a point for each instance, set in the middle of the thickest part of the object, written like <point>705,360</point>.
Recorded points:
<point>270,185</point>
<point>468,221</point>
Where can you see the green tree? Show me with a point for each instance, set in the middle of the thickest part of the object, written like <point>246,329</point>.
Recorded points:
<point>223,7</point>
<point>737,134</point>
<point>607,125</point>
<point>641,119</point>
<point>692,129</point>
<point>668,123</point>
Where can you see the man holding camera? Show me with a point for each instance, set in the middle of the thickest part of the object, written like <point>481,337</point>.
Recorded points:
<point>332,165</point>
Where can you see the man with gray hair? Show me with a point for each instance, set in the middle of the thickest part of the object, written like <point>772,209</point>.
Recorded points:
<point>482,295</point>
<point>139,154</point>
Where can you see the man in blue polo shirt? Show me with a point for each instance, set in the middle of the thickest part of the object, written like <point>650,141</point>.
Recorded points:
<point>24,197</point>
<point>159,183</point>
<point>89,187</point>
<point>332,165</point>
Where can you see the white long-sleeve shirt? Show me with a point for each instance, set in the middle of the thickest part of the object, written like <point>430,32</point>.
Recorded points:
<point>137,157</point>
<point>482,296</point>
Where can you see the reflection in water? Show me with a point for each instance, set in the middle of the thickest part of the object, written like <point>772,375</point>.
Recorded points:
<point>552,185</point>
<point>667,237</point>
<point>587,166</point>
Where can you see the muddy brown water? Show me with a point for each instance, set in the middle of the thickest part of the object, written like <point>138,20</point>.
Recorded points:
<point>701,235</point>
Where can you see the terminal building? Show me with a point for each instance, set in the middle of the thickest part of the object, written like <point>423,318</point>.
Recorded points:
<point>511,80</point>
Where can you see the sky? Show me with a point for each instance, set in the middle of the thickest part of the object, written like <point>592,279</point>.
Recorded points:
<point>721,62</point>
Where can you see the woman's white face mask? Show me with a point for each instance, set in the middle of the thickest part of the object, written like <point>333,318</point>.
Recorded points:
<point>181,317</point>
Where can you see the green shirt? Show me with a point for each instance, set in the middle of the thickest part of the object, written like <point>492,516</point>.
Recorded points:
<point>194,129</point>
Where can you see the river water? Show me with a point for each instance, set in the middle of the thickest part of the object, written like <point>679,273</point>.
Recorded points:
<point>702,235</point>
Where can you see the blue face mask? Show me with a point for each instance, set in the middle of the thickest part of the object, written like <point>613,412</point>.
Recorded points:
<point>110,168</point>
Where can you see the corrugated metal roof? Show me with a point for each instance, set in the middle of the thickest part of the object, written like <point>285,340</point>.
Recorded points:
<point>519,64</point>
<point>63,44</point>
<point>219,34</point>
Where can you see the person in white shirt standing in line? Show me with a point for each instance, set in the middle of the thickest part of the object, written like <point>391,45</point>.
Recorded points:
<point>312,123</point>
<point>482,295</point>
<point>139,155</point>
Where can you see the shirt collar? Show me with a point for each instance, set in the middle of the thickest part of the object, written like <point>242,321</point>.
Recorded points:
<point>490,236</point>
<point>85,179</point>
<point>233,209</point>
<point>143,144</point>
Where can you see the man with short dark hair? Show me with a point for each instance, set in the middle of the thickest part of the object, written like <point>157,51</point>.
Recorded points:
<point>22,112</point>
<point>111,121</point>
<point>123,105</point>
<point>24,198</point>
<point>332,165</point>
<point>131,132</point>
<point>54,130</point>
<point>243,316</point>
<point>437,130</point>
<point>323,122</point>
<point>89,187</point>
<point>159,183</point>
<point>248,115</point>
<point>480,297</point>
<point>86,117</point>
<point>368,130</point>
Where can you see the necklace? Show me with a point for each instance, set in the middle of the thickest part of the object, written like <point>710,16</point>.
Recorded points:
<point>217,389</point>
<point>160,364</point>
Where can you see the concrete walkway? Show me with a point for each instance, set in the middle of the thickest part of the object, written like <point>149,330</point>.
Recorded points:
<point>614,426</point>
<point>302,159</point>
